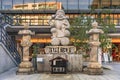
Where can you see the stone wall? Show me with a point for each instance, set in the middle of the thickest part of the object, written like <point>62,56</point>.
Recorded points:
<point>6,61</point>
<point>74,62</point>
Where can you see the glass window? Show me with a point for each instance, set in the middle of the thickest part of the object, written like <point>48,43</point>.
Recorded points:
<point>71,16</point>
<point>64,4</point>
<point>40,22</point>
<point>40,19</point>
<point>93,16</point>
<point>94,4</point>
<point>76,15</point>
<point>17,19</point>
<point>111,18</point>
<point>0,4</point>
<point>46,22</point>
<point>119,19</point>
<point>51,4</point>
<point>118,16</point>
<point>115,4</point>
<point>83,4</point>
<point>17,4</point>
<point>37,1</point>
<point>6,4</point>
<point>50,0</point>
<point>28,1</point>
<point>105,4</point>
<point>116,19</point>
<point>73,4</point>
<point>40,4</point>
<point>29,4</point>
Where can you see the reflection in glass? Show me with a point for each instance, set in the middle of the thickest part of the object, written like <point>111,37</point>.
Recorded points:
<point>42,19</point>
<point>51,4</point>
<point>64,4</point>
<point>94,4</point>
<point>40,4</point>
<point>18,4</point>
<point>115,4</point>
<point>83,4</point>
<point>50,0</point>
<point>29,4</point>
<point>0,4</point>
<point>6,4</point>
<point>105,4</point>
<point>73,4</point>
<point>28,1</point>
<point>118,19</point>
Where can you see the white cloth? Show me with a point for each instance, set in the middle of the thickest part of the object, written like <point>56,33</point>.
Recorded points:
<point>105,57</point>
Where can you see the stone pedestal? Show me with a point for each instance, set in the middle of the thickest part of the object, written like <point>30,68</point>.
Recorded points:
<point>95,71</point>
<point>94,67</point>
<point>75,62</point>
<point>25,67</point>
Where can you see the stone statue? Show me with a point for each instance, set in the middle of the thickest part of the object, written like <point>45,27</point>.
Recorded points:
<point>60,26</point>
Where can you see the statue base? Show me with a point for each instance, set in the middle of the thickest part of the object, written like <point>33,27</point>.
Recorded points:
<point>94,68</point>
<point>94,71</point>
<point>25,68</point>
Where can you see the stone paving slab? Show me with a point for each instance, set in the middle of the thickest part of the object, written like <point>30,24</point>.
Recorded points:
<point>113,74</point>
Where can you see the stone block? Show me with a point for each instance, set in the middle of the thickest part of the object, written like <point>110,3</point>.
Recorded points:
<point>95,71</point>
<point>74,62</point>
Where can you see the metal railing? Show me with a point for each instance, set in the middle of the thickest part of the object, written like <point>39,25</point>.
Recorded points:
<point>9,44</point>
<point>6,39</point>
<point>4,19</point>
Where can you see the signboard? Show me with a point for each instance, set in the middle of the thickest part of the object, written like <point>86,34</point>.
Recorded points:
<point>39,59</point>
<point>60,49</point>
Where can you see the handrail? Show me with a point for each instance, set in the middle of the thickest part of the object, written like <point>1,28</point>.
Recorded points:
<point>5,19</point>
<point>9,44</point>
<point>6,39</point>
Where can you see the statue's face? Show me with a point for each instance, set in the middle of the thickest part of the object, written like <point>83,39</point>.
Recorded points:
<point>60,15</point>
<point>94,24</point>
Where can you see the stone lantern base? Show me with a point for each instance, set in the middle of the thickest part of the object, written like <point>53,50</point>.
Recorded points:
<point>95,71</point>
<point>25,68</point>
<point>94,68</point>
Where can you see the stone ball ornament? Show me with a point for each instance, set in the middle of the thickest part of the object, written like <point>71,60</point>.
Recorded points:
<point>64,41</point>
<point>55,41</point>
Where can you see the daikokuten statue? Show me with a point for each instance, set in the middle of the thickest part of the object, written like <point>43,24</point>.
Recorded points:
<point>59,30</point>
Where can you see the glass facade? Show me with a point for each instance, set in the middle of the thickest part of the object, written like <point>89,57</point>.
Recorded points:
<point>73,4</point>
<point>6,4</point>
<point>66,4</point>
<point>31,11</point>
<point>42,19</point>
<point>84,4</point>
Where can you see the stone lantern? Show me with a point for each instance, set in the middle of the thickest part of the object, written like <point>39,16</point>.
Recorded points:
<point>25,66</point>
<point>94,67</point>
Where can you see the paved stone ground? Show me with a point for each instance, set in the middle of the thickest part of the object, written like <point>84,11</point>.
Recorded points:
<point>113,74</point>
